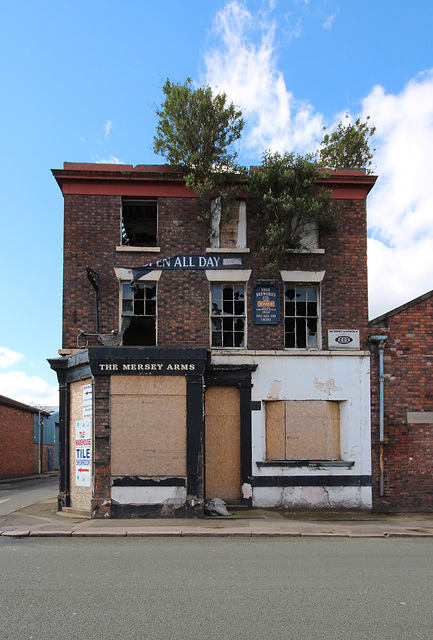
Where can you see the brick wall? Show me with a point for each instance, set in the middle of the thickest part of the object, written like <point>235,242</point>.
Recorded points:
<point>92,232</point>
<point>407,448</point>
<point>19,454</point>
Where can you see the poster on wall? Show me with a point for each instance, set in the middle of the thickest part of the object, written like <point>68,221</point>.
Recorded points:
<point>87,402</point>
<point>83,453</point>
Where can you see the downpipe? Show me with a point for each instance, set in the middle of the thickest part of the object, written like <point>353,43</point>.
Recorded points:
<point>380,341</point>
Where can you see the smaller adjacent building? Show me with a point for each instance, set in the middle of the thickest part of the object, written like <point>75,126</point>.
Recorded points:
<point>26,441</point>
<point>402,407</point>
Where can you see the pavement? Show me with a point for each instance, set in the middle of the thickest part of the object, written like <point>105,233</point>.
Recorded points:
<point>43,520</point>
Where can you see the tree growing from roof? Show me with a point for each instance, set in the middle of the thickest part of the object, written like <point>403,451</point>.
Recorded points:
<point>348,147</point>
<point>291,203</point>
<point>197,130</point>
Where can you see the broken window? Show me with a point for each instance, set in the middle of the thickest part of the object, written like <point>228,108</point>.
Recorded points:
<point>302,430</point>
<point>139,223</point>
<point>228,225</point>
<point>228,315</point>
<point>301,310</point>
<point>139,309</point>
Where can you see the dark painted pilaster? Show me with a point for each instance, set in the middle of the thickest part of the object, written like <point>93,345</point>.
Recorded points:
<point>194,444</point>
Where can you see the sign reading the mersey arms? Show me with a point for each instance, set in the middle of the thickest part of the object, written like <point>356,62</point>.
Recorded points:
<point>148,360</point>
<point>189,261</point>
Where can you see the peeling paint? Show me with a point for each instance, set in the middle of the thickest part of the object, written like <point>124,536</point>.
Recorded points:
<point>247,490</point>
<point>327,386</point>
<point>274,391</point>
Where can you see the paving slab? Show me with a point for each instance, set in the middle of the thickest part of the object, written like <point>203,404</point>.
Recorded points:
<point>42,519</point>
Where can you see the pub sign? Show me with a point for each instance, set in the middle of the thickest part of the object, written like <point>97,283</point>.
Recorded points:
<point>266,303</point>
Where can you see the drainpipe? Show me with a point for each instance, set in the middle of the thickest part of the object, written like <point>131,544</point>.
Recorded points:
<point>41,443</point>
<point>93,278</point>
<point>380,341</point>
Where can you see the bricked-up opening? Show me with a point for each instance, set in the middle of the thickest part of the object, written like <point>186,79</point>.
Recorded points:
<point>139,307</point>
<point>139,223</point>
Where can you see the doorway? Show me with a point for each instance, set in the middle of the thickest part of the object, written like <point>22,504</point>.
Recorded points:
<point>222,443</point>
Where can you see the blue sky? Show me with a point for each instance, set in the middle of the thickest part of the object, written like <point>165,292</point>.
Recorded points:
<point>80,81</point>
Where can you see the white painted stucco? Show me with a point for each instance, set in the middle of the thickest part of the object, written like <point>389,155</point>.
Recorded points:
<point>174,496</point>
<point>335,376</point>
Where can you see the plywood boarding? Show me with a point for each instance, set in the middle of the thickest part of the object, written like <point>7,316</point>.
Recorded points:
<point>148,425</point>
<point>302,429</point>
<point>275,430</point>
<point>229,225</point>
<point>81,497</point>
<point>223,444</point>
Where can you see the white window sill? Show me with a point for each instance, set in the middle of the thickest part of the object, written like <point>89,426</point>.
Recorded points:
<point>226,250</point>
<point>127,249</point>
<point>305,463</point>
<point>321,251</point>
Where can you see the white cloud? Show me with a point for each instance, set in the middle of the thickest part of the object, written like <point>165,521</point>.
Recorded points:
<point>8,357</point>
<point>30,390</point>
<point>244,64</point>
<point>109,159</point>
<point>401,204</point>
<point>247,71</point>
<point>329,21</point>
<point>107,128</point>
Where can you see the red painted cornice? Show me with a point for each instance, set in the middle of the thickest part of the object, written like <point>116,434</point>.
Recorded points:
<point>169,181</point>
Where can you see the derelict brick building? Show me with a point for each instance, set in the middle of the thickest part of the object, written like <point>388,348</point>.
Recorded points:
<point>402,407</point>
<point>198,376</point>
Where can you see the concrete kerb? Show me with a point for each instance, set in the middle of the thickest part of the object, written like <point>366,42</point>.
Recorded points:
<point>41,520</point>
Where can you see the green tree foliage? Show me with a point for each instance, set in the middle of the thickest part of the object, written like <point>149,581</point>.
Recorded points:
<point>291,203</point>
<point>348,147</point>
<point>197,130</point>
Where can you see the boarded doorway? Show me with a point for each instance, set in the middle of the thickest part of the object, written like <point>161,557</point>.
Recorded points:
<point>223,444</point>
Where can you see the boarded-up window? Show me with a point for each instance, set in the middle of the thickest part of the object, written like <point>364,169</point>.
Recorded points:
<point>228,224</point>
<point>302,430</point>
<point>148,425</point>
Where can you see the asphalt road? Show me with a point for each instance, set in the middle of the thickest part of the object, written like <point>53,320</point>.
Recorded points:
<point>225,589</point>
<point>22,493</point>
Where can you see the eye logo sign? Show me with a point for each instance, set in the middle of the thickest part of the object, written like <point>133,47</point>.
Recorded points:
<point>343,339</point>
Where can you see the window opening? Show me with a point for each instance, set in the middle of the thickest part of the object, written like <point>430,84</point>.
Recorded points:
<point>228,315</point>
<point>302,430</point>
<point>139,306</point>
<point>228,228</point>
<point>301,316</point>
<point>139,223</point>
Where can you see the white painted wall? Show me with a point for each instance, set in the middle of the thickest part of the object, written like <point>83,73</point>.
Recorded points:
<point>173,496</point>
<point>336,376</point>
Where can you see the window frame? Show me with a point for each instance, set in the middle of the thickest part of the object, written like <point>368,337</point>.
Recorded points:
<point>127,245</point>
<point>303,317</point>
<point>228,316</point>
<point>146,284</point>
<point>304,278</point>
<point>218,223</point>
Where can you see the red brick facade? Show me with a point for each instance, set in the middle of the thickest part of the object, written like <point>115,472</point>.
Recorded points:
<point>407,448</point>
<point>92,233</point>
<point>20,455</point>
<point>92,239</point>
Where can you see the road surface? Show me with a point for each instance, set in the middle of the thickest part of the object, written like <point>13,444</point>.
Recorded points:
<point>22,493</point>
<point>216,589</point>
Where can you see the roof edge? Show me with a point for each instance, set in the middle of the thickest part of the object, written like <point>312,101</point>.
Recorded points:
<point>10,402</point>
<point>402,307</point>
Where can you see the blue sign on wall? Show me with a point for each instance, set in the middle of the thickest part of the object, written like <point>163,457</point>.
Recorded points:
<point>266,304</point>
